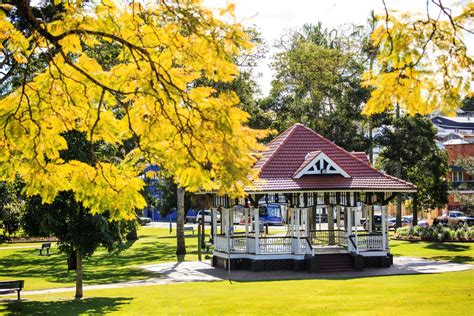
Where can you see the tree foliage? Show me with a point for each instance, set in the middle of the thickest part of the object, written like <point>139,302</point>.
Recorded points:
<point>149,96</point>
<point>410,141</point>
<point>423,63</point>
<point>74,226</point>
<point>317,83</point>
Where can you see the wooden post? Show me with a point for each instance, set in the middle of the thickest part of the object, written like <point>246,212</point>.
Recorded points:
<point>338,217</point>
<point>307,223</point>
<point>348,219</point>
<point>330,211</point>
<point>292,228</point>
<point>214,224</point>
<point>298,232</point>
<point>384,232</point>
<point>246,219</point>
<point>319,217</point>
<point>370,212</point>
<point>257,230</point>
<point>199,241</point>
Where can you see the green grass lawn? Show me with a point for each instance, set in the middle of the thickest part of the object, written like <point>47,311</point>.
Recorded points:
<point>42,272</point>
<point>449,251</point>
<point>391,295</point>
<point>157,245</point>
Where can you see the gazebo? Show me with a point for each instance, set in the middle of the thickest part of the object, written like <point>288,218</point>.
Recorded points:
<point>314,180</point>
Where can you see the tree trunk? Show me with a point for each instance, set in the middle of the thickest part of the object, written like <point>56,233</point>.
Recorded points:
<point>399,176</point>
<point>415,209</point>
<point>180,242</point>
<point>79,274</point>
<point>371,142</point>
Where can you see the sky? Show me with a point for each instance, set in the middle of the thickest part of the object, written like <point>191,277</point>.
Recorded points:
<point>274,17</point>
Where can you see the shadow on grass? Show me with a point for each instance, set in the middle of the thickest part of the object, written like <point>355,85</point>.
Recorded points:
<point>454,259</point>
<point>101,268</point>
<point>96,305</point>
<point>447,246</point>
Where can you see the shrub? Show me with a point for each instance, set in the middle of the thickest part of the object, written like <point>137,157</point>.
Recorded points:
<point>436,232</point>
<point>10,216</point>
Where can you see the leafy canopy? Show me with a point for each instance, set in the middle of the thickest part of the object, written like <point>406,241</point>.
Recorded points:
<point>317,83</point>
<point>195,133</point>
<point>423,63</point>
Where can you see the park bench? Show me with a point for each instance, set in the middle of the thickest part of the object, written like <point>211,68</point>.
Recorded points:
<point>44,246</point>
<point>188,228</point>
<point>10,286</point>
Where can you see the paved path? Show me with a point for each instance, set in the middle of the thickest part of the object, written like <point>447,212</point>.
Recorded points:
<point>195,271</point>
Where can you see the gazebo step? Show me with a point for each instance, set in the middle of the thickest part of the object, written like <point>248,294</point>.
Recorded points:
<point>335,263</point>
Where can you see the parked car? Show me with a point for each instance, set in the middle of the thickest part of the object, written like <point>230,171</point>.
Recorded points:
<point>142,220</point>
<point>207,216</point>
<point>407,220</point>
<point>191,216</point>
<point>423,223</point>
<point>377,222</point>
<point>453,218</point>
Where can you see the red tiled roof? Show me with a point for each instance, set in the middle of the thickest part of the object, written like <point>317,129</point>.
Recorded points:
<point>287,153</point>
<point>362,156</point>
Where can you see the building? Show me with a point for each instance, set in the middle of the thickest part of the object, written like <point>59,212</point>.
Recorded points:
<point>454,129</point>
<point>312,173</point>
<point>459,179</point>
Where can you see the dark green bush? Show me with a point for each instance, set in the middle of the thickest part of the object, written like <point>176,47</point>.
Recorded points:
<point>436,232</point>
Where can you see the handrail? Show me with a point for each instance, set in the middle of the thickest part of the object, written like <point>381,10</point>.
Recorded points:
<point>352,241</point>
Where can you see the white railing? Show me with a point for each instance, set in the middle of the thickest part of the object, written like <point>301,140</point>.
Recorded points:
<point>238,244</point>
<point>267,245</point>
<point>370,242</point>
<point>272,245</point>
<point>221,243</point>
<point>365,242</point>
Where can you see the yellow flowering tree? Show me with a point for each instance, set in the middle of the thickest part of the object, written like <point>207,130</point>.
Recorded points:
<point>423,63</point>
<point>195,133</point>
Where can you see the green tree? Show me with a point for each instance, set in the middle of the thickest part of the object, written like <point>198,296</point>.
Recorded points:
<point>318,83</point>
<point>79,232</point>
<point>409,141</point>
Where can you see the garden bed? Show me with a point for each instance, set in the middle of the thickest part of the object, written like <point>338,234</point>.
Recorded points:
<point>437,233</point>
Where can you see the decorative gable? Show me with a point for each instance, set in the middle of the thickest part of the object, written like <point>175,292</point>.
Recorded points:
<point>317,162</point>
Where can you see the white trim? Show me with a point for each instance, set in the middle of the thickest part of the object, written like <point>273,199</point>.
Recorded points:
<point>257,257</point>
<point>321,158</point>
<point>373,253</point>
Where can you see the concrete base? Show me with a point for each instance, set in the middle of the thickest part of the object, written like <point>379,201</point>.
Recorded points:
<point>313,264</point>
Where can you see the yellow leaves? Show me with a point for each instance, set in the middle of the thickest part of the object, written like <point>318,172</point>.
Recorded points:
<point>150,91</point>
<point>71,44</point>
<point>422,67</point>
